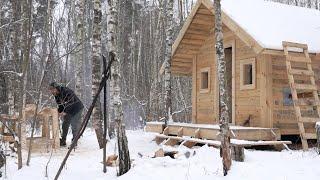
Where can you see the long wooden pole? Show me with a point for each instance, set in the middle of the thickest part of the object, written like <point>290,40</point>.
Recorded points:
<point>86,120</point>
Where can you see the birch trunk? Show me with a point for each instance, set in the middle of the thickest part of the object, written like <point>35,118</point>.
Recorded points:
<point>224,96</point>
<point>10,95</point>
<point>124,156</point>
<point>167,69</point>
<point>79,11</point>
<point>96,75</point>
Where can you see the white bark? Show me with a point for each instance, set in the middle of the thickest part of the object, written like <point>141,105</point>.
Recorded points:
<point>10,95</point>
<point>79,13</point>
<point>224,96</point>
<point>96,74</point>
<point>167,69</point>
<point>124,156</point>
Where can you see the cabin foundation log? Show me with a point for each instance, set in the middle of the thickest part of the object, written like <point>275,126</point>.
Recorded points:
<point>159,140</point>
<point>189,144</point>
<point>210,131</point>
<point>171,142</point>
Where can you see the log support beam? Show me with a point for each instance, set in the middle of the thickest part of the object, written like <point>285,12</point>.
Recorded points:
<point>237,153</point>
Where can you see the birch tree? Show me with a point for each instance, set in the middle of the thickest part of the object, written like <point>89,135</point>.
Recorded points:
<point>124,156</point>
<point>96,74</point>
<point>79,13</point>
<point>224,96</point>
<point>167,70</point>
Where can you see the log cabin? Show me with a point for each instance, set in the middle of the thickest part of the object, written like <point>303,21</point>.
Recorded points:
<point>260,39</point>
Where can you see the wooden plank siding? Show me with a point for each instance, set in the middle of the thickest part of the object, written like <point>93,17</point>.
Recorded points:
<point>206,100</point>
<point>284,115</point>
<point>247,102</point>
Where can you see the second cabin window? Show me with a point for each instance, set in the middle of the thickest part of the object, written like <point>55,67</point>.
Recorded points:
<point>247,74</point>
<point>204,80</point>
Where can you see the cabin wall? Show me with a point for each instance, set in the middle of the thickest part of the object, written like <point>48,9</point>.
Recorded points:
<point>205,101</point>
<point>283,113</point>
<point>247,102</point>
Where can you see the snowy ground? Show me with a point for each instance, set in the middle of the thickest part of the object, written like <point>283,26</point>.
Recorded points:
<point>85,163</point>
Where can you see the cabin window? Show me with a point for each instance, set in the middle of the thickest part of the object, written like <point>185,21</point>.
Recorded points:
<point>248,74</point>
<point>287,97</point>
<point>205,80</point>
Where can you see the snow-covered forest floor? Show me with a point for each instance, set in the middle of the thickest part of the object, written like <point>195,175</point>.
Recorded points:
<point>204,163</point>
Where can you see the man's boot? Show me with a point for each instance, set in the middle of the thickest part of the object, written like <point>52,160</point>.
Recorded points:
<point>63,143</point>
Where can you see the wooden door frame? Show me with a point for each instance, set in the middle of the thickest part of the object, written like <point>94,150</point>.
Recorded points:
<point>228,44</point>
<point>194,90</point>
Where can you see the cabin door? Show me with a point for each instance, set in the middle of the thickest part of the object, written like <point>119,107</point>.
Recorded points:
<point>228,58</point>
<point>230,81</point>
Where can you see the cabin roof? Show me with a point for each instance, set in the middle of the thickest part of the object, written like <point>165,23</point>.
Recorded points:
<point>270,23</point>
<point>260,24</point>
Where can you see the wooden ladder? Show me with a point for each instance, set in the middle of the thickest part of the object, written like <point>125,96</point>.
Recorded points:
<point>300,87</point>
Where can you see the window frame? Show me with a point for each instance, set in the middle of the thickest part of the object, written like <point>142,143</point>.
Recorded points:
<point>203,70</point>
<point>244,62</point>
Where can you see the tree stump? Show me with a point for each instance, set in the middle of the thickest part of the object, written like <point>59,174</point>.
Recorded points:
<point>237,153</point>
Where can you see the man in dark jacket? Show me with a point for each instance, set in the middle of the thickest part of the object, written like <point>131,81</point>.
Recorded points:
<point>69,107</point>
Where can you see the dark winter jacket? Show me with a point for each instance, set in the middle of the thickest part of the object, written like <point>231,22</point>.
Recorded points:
<point>67,101</point>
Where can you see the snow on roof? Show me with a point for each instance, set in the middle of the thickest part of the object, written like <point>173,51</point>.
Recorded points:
<point>271,23</point>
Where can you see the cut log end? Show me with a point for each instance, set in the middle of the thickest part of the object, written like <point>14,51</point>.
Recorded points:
<point>162,153</point>
<point>112,160</point>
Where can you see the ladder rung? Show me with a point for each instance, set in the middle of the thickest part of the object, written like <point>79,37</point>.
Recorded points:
<point>305,87</point>
<point>310,136</point>
<point>299,59</point>
<point>296,45</point>
<point>309,120</point>
<point>301,72</point>
<point>306,95</point>
<point>307,102</point>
